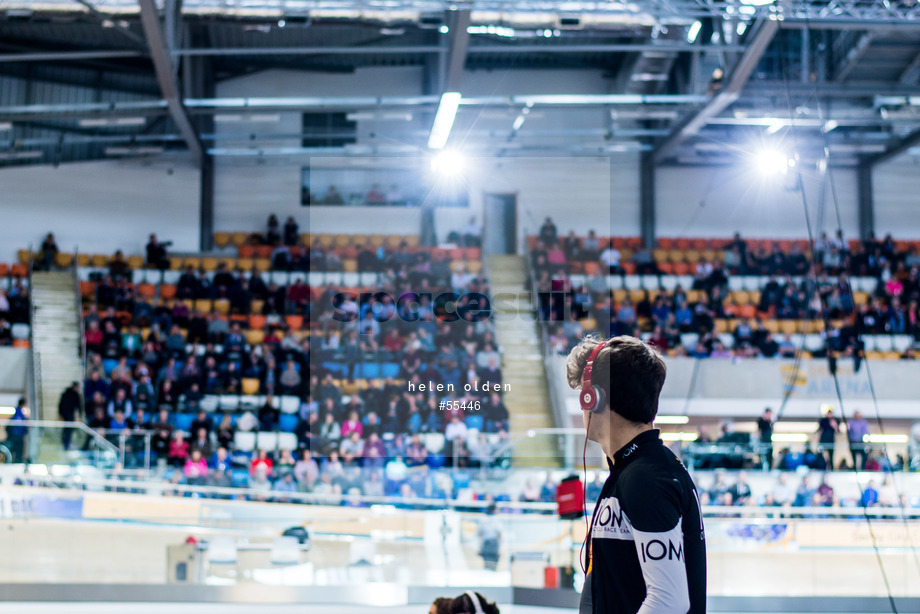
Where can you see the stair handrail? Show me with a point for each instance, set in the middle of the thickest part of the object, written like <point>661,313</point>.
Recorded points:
<point>78,299</point>
<point>96,437</point>
<point>35,389</point>
<point>556,394</point>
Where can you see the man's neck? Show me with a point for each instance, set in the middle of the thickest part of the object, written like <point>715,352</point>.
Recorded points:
<point>622,432</point>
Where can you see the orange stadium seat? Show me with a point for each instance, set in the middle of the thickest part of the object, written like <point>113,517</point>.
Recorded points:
<point>665,243</point>
<point>146,290</point>
<point>472,253</point>
<point>87,289</point>
<point>257,322</point>
<point>294,322</point>
<point>4,269</point>
<point>246,251</point>
<point>19,270</point>
<point>168,291</point>
<point>263,251</point>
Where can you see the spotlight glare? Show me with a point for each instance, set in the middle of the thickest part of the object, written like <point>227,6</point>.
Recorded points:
<point>694,31</point>
<point>447,164</point>
<point>772,162</point>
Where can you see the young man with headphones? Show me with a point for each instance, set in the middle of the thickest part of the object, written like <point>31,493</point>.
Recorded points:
<point>646,549</point>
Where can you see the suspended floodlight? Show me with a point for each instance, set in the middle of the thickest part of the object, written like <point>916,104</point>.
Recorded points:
<point>444,120</point>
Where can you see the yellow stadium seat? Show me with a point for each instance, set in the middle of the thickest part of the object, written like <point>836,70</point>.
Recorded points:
<point>229,262</point>
<point>263,264</point>
<point>100,260</point>
<point>636,295</point>
<point>250,385</point>
<point>63,260</point>
<point>203,305</point>
<point>325,240</point>
<point>474,267</point>
<point>256,305</point>
<point>619,295</point>
<point>255,337</point>
<point>351,265</point>
<point>377,240</point>
<point>209,264</point>
<point>239,238</point>
<point>83,259</point>
<point>222,239</point>
<point>245,264</point>
<point>412,240</point>
<point>342,240</point>
<point>136,262</point>
<point>192,261</point>
<point>222,306</point>
<point>394,241</point>
<point>175,263</point>
<point>359,240</point>
<point>24,256</point>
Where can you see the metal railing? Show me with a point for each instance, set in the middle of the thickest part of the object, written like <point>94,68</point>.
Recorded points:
<point>128,483</point>
<point>102,451</point>
<point>78,300</point>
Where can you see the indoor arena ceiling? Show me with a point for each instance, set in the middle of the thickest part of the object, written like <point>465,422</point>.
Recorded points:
<point>686,81</point>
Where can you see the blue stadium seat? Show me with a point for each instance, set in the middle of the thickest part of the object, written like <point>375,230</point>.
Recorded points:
<point>474,421</point>
<point>240,478</point>
<point>435,461</point>
<point>184,421</point>
<point>390,369</point>
<point>288,422</point>
<point>370,370</point>
<point>108,364</point>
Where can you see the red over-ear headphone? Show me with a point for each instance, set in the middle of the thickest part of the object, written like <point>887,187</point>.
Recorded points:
<point>592,397</point>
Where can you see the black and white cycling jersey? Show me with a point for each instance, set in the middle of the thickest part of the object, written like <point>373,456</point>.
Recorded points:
<point>647,549</point>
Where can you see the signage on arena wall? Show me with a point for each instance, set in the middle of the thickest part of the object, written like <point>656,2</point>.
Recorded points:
<point>766,379</point>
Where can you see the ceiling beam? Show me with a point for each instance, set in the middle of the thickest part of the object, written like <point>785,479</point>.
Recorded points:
<point>729,93</point>
<point>163,66</point>
<point>457,44</point>
<point>67,56</point>
<point>909,141</point>
<point>911,74</point>
<point>856,52</point>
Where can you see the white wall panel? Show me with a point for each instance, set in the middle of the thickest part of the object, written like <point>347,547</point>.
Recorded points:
<point>896,190</point>
<point>99,206</point>
<point>717,201</point>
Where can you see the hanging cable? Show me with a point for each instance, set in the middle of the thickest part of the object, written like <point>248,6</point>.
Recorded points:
<point>825,316</point>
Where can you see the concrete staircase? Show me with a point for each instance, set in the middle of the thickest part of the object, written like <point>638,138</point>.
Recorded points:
<point>528,402</point>
<point>56,340</point>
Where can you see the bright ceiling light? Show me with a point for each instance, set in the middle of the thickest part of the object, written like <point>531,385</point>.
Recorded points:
<point>444,120</point>
<point>757,2</point>
<point>773,162</point>
<point>694,31</point>
<point>448,163</point>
